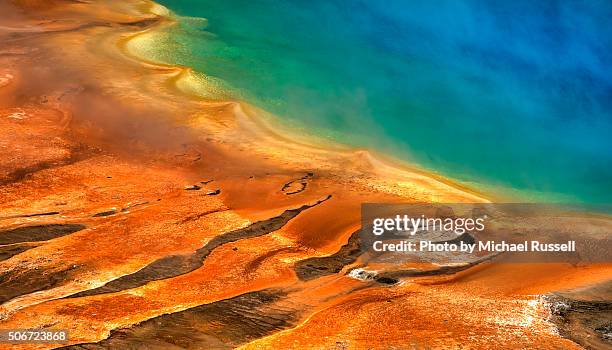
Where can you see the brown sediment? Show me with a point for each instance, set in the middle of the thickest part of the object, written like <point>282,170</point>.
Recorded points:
<point>176,265</point>
<point>296,186</point>
<point>38,233</point>
<point>584,315</point>
<point>25,281</point>
<point>229,323</point>
<point>95,136</point>
<point>393,277</point>
<point>105,213</point>
<point>8,251</point>
<point>311,268</point>
<point>223,324</point>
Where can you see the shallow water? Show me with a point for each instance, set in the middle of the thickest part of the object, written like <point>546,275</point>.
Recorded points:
<point>514,95</point>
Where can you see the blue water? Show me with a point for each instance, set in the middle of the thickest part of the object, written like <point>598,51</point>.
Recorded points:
<point>516,94</point>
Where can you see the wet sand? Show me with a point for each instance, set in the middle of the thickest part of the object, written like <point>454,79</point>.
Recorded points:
<point>138,213</point>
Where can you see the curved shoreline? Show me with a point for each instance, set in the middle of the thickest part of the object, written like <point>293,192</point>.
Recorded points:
<point>271,125</point>
<point>488,190</point>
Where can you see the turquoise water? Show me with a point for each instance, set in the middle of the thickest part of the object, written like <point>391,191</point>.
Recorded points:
<point>515,94</point>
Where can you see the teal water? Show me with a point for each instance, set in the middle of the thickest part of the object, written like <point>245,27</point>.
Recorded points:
<point>515,94</point>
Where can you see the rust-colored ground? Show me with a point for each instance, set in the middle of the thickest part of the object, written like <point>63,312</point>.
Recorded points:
<point>94,138</point>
